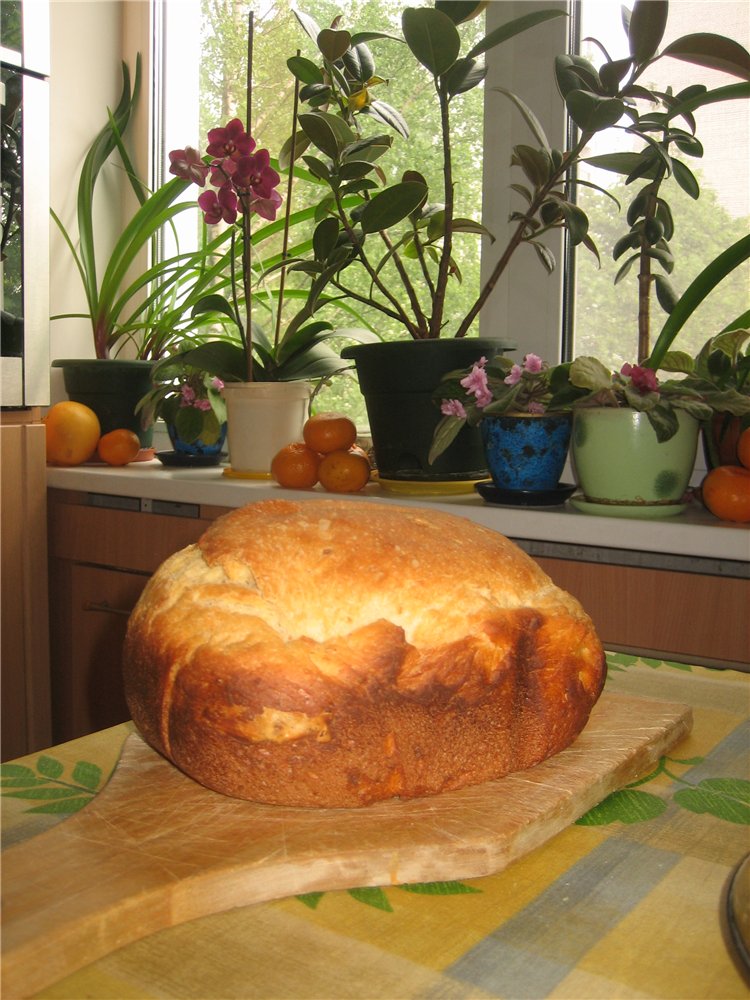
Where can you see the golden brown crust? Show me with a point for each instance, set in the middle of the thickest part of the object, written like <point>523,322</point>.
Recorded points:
<point>337,652</point>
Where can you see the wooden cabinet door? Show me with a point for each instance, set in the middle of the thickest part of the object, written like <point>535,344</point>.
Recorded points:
<point>90,617</point>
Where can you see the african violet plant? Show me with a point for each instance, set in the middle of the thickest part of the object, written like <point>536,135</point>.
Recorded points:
<point>402,221</point>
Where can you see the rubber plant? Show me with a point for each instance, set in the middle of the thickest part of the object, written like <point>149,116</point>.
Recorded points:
<point>404,221</point>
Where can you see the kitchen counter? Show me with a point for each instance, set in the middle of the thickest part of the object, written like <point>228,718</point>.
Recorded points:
<point>691,541</point>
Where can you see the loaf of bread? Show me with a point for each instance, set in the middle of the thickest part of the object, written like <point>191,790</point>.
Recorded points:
<point>333,653</point>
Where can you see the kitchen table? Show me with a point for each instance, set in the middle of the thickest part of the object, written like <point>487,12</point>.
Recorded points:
<point>630,901</point>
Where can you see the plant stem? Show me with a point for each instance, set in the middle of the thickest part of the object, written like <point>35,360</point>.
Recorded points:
<point>438,303</point>
<point>246,233</point>
<point>287,214</point>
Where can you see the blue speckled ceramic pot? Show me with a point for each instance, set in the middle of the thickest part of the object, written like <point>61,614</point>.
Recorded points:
<point>526,451</point>
<point>198,447</point>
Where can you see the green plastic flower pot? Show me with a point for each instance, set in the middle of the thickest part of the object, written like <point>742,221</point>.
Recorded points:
<point>112,388</point>
<point>618,460</point>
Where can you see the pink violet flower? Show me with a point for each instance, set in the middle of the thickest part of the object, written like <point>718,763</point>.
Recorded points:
<point>514,375</point>
<point>256,173</point>
<point>533,363</point>
<point>476,384</point>
<point>202,404</point>
<point>453,408</point>
<point>643,379</point>
<point>266,208</point>
<point>187,164</point>
<point>216,383</point>
<point>535,407</point>
<point>188,395</point>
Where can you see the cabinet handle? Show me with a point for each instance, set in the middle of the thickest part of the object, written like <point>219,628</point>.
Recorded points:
<point>92,606</point>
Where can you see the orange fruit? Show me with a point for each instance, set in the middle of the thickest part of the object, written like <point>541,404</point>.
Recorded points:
<point>344,471</point>
<point>72,432</point>
<point>119,447</point>
<point>743,448</point>
<point>296,466</point>
<point>327,432</point>
<point>726,492</point>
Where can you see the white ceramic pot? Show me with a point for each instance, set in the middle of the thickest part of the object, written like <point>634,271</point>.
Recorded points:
<point>263,417</point>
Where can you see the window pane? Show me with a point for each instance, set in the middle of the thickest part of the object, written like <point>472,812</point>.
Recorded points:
<point>605,314</point>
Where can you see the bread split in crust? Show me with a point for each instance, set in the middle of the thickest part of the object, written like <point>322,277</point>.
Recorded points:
<point>334,653</point>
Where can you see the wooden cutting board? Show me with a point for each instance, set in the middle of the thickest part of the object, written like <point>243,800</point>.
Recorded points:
<point>155,849</point>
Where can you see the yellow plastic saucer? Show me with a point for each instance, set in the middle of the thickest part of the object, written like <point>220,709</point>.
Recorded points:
<point>427,488</point>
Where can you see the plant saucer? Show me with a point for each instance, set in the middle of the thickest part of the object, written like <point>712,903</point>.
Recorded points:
<point>525,498</point>
<point>645,511</point>
<point>181,460</point>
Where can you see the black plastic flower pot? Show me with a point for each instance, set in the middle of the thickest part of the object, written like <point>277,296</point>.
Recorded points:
<point>111,388</point>
<point>397,380</point>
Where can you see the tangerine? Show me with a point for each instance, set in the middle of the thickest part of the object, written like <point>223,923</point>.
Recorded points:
<point>72,433</point>
<point>743,448</point>
<point>327,432</point>
<point>344,471</point>
<point>296,466</point>
<point>119,447</point>
<point>726,493</point>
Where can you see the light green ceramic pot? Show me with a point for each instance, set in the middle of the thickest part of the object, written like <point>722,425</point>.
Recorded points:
<point>618,460</point>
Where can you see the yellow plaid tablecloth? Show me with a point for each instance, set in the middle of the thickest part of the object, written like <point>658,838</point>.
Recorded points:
<point>627,902</point>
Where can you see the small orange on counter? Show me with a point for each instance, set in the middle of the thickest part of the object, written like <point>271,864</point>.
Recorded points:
<point>327,432</point>
<point>119,447</point>
<point>344,471</point>
<point>726,493</point>
<point>72,433</point>
<point>296,466</point>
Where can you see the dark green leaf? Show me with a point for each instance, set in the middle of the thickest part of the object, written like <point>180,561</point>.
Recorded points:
<point>325,237</point>
<point>686,179</point>
<point>317,167</point>
<point>712,51</point>
<point>471,226</point>
<point>592,113</point>
<point>512,28</point>
<point>328,132</point>
<point>576,73</point>
<point>310,25</point>
<point>87,774</point>
<point>461,10</point>
<point>301,142</point>
<point>576,222</point>
<point>213,303</point>
<point>646,30</point>
<point>618,163</point>
<point>305,70</point>
<point>725,798</point>
<point>545,255</point>
<point>333,44</point>
<point>49,767</point>
<point>613,72</point>
<point>665,294</point>
<point>359,62</point>
<point>391,206</point>
<point>432,38</point>
<point>387,115</point>
<point>629,241</point>
<point>372,896</point>
<point>529,117</point>
<point>189,423</point>
<point>535,163</point>
<point>625,806</point>
<point>464,75</point>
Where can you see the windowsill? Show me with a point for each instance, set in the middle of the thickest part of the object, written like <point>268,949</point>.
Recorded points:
<point>673,542</point>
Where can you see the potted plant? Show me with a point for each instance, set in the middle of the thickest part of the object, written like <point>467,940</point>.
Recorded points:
<point>402,221</point>
<point>191,403</point>
<point>524,416</point>
<point>137,320</point>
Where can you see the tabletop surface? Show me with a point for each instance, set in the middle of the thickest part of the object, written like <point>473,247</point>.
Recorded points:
<point>627,902</point>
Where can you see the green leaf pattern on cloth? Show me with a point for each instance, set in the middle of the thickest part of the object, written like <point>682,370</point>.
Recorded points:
<point>48,787</point>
